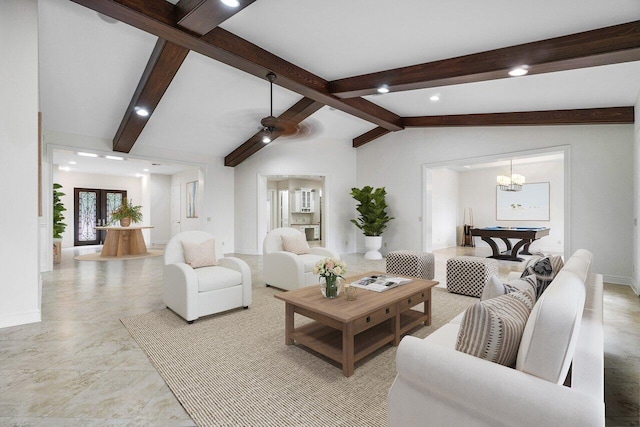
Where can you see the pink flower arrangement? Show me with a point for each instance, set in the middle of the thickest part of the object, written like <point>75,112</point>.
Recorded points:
<point>330,267</point>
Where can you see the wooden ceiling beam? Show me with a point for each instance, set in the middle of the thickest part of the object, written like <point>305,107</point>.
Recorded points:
<point>199,17</point>
<point>157,17</point>
<point>369,136</point>
<point>296,114</point>
<point>163,65</point>
<point>202,16</point>
<point>610,45</point>
<point>588,116</point>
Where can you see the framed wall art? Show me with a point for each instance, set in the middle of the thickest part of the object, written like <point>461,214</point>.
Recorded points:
<point>192,199</point>
<point>529,204</point>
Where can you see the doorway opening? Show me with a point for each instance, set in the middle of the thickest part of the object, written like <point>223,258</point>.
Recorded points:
<point>452,187</point>
<point>93,207</point>
<point>295,201</point>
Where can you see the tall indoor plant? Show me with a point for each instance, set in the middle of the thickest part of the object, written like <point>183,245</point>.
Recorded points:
<point>58,225</point>
<point>373,218</point>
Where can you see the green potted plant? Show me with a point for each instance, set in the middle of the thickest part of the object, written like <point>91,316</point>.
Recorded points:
<point>58,225</point>
<point>373,219</point>
<point>127,213</point>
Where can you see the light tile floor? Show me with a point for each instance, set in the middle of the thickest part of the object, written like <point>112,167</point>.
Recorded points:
<point>80,367</point>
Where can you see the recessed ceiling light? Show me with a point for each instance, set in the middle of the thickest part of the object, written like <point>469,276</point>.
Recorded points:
<point>139,175</point>
<point>435,97</point>
<point>80,153</point>
<point>145,170</point>
<point>266,139</point>
<point>519,71</point>
<point>64,168</point>
<point>114,157</point>
<point>72,162</point>
<point>231,3</point>
<point>383,89</point>
<point>141,112</point>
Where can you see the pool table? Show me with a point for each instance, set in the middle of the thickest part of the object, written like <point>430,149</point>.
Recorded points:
<point>526,235</point>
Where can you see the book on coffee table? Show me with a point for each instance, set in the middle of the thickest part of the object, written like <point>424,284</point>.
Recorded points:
<point>379,283</point>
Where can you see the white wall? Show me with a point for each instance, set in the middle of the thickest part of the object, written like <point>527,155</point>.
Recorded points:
<point>478,191</point>
<point>19,253</point>
<point>334,159</point>
<point>71,180</point>
<point>445,201</point>
<point>601,175</point>
<point>160,204</point>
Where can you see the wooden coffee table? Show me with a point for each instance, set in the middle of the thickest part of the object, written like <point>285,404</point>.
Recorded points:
<point>347,331</point>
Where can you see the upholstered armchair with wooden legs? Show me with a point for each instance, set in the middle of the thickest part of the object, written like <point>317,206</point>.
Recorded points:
<point>285,269</point>
<point>195,292</point>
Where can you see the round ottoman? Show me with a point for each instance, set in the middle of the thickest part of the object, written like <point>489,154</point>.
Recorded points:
<point>411,263</point>
<point>467,275</point>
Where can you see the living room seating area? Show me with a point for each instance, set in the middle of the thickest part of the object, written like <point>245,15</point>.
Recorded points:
<point>450,387</point>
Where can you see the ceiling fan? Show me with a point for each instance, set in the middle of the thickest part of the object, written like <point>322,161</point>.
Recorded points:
<point>273,127</point>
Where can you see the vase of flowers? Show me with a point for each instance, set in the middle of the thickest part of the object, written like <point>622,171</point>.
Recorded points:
<point>331,272</point>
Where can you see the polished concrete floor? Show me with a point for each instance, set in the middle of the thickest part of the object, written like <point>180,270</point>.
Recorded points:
<point>80,367</point>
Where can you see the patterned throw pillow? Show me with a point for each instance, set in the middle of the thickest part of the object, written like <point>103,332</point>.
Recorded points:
<point>200,254</point>
<point>496,287</point>
<point>545,270</point>
<point>296,243</point>
<point>492,329</point>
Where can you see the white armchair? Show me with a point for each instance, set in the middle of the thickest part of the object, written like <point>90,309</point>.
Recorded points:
<point>286,270</point>
<point>192,293</point>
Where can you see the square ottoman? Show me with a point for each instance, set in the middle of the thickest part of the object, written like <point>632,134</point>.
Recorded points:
<point>411,263</point>
<point>467,275</point>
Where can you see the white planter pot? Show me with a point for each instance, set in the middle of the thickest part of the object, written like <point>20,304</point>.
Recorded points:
<point>372,244</point>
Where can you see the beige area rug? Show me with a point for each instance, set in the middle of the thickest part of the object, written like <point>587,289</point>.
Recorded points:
<point>97,257</point>
<point>233,369</point>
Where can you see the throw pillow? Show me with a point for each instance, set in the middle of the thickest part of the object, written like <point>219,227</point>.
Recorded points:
<point>492,329</point>
<point>200,254</point>
<point>496,287</point>
<point>545,270</point>
<point>296,243</point>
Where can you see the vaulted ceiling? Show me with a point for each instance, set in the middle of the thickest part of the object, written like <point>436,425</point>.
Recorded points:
<point>199,67</point>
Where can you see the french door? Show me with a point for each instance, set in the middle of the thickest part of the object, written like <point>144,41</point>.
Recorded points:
<point>93,207</point>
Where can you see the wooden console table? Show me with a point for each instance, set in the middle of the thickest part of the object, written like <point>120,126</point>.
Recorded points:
<point>123,241</point>
<point>347,331</point>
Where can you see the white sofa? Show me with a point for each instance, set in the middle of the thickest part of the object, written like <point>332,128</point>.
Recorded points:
<point>437,385</point>
<point>192,293</point>
<point>286,270</point>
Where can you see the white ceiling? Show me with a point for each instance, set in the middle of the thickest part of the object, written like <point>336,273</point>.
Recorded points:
<point>71,161</point>
<point>90,68</point>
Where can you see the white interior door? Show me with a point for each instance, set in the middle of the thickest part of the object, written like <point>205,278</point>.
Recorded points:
<point>175,210</point>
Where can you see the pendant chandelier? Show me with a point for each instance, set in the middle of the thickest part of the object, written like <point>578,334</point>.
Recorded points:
<point>514,182</point>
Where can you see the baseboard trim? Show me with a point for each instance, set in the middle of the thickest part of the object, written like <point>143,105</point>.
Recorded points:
<point>634,286</point>
<point>247,252</point>
<point>618,280</point>
<point>20,319</point>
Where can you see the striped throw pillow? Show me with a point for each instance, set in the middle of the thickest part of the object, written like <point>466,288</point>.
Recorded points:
<point>492,329</point>
<point>496,287</point>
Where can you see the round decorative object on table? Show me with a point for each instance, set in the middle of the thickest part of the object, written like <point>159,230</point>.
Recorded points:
<point>351,292</point>
<point>330,286</point>
<point>125,222</point>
